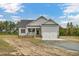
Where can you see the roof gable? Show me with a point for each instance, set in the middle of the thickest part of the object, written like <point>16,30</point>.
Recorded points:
<point>41,20</point>
<point>41,17</point>
<point>50,22</point>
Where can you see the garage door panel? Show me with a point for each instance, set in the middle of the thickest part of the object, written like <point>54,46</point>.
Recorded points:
<point>49,36</point>
<point>50,33</point>
<point>50,29</point>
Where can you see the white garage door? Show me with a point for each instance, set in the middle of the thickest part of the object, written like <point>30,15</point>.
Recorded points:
<point>49,36</point>
<point>50,32</point>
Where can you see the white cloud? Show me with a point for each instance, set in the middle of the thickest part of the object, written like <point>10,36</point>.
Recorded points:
<point>11,7</point>
<point>2,19</point>
<point>63,25</point>
<point>70,14</point>
<point>72,18</point>
<point>16,18</point>
<point>1,16</point>
<point>21,10</point>
<point>61,17</point>
<point>71,8</point>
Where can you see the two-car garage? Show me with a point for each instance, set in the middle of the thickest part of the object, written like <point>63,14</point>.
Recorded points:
<point>50,32</point>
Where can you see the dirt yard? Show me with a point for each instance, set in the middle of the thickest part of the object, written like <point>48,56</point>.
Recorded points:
<point>35,47</point>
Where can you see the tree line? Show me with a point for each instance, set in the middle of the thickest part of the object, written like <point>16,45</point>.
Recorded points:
<point>70,30</point>
<point>8,27</point>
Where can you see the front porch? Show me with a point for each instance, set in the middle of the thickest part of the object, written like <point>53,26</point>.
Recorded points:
<point>34,31</point>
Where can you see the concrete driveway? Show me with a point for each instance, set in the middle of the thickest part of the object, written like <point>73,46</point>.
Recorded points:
<point>69,45</point>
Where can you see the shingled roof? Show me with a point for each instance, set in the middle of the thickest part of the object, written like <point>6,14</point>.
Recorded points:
<point>37,22</point>
<point>50,22</point>
<point>23,23</point>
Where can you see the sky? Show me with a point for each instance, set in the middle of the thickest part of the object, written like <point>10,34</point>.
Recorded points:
<point>62,13</point>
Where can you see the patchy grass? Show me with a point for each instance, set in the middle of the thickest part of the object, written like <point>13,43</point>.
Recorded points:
<point>5,47</point>
<point>72,38</point>
<point>36,41</point>
<point>45,50</point>
<point>8,36</point>
<point>8,33</point>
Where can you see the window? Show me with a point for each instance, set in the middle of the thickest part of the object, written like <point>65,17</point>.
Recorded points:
<point>22,30</point>
<point>31,30</point>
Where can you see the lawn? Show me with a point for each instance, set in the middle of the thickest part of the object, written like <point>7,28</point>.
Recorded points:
<point>36,41</point>
<point>5,48</point>
<point>8,33</point>
<point>29,46</point>
<point>71,38</point>
<point>8,36</point>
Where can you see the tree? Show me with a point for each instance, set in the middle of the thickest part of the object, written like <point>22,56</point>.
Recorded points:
<point>8,26</point>
<point>1,26</point>
<point>71,29</point>
<point>68,29</point>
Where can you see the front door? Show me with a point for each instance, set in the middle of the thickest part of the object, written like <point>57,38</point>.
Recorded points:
<point>38,32</point>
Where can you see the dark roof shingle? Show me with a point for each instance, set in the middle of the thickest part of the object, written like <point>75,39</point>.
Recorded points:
<point>23,23</point>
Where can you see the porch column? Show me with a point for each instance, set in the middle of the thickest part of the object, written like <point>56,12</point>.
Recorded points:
<point>35,33</point>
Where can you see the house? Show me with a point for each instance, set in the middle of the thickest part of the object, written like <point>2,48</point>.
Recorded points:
<point>42,27</point>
